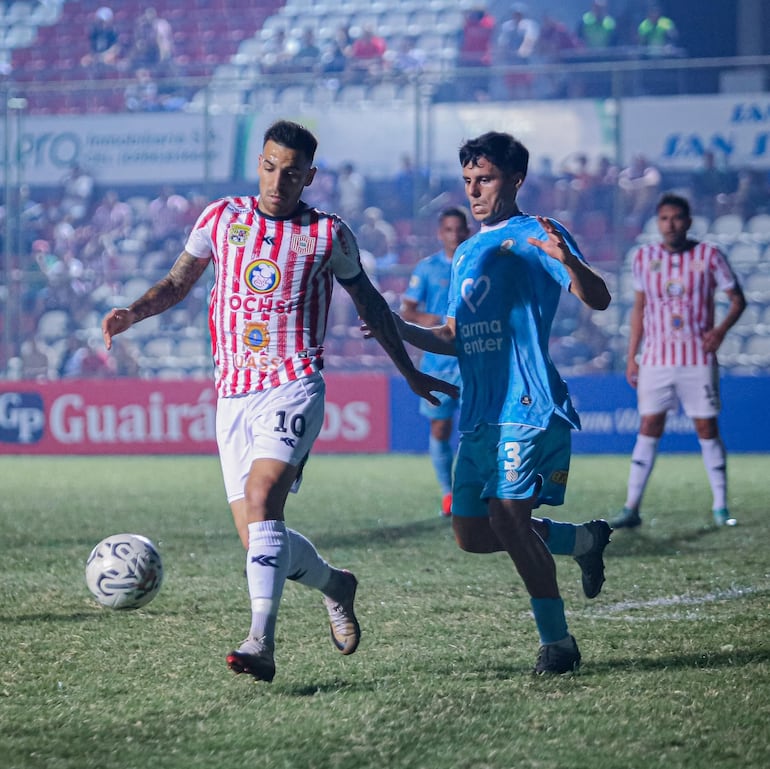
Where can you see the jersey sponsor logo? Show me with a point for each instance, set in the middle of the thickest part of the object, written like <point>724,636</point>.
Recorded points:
<point>256,336</point>
<point>677,322</point>
<point>507,245</point>
<point>238,234</point>
<point>474,292</point>
<point>674,289</point>
<point>302,244</point>
<point>22,417</point>
<point>262,276</point>
<point>559,477</point>
<point>263,304</point>
<point>248,361</point>
<point>482,336</point>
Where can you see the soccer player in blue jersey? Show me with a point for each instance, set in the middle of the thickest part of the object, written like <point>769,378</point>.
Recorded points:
<point>515,412</point>
<point>425,302</point>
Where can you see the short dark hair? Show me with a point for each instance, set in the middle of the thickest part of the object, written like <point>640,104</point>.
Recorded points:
<point>672,199</point>
<point>292,135</point>
<point>449,212</point>
<point>501,149</point>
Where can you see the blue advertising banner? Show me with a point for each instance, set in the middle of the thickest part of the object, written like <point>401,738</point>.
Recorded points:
<point>607,408</point>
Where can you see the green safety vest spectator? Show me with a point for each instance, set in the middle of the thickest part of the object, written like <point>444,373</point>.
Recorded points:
<point>596,32</point>
<point>659,32</point>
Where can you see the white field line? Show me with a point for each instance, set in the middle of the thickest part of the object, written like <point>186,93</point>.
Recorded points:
<point>621,609</point>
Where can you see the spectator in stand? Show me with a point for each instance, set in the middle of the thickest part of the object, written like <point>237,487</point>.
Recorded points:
<point>407,61</point>
<point>751,195</point>
<point>165,214</point>
<point>351,189</point>
<point>657,31</point>
<point>515,45</point>
<point>639,186</point>
<point>78,191</point>
<point>475,52</point>
<point>35,360</point>
<point>153,45</point>
<point>366,62</point>
<point>597,29</point>
<point>712,183</point>
<point>104,48</point>
<point>142,95</point>
<point>276,55</point>
<point>378,237</point>
<point>307,57</point>
<point>113,217</point>
<point>554,44</point>
<point>88,360</point>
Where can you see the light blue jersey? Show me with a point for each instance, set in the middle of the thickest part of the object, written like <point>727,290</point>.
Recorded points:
<point>429,287</point>
<point>503,297</point>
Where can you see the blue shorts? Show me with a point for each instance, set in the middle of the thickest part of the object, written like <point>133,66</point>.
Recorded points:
<point>447,405</point>
<point>511,462</point>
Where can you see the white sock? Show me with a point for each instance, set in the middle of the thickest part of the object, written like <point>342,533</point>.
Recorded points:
<point>306,565</point>
<point>715,460</point>
<point>642,462</point>
<point>267,563</point>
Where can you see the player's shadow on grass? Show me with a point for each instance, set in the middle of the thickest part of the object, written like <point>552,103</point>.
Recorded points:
<point>728,659</point>
<point>706,659</point>
<point>382,535</point>
<point>633,543</point>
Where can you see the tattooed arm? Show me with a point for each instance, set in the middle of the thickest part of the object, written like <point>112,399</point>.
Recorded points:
<point>167,292</point>
<point>375,313</point>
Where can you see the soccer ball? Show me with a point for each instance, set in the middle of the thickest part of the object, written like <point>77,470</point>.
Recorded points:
<point>124,571</point>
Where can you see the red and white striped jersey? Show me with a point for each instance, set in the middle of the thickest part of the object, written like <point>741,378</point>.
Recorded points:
<point>272,288</point>
<point>679,301</point>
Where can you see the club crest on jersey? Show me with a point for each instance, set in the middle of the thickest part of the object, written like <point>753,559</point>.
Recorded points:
<point>507,245</point>
<point>238,234</point>
<point>256,336</point>
<point>655,265</point>
<point>302,245</point>
<point>262,276</point>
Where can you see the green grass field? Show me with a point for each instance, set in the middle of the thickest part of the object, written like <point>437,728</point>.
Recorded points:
<point>676,656</point>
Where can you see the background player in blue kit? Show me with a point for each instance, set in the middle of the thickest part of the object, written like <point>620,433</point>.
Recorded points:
<point>425,302</point>
<point>515,411</point>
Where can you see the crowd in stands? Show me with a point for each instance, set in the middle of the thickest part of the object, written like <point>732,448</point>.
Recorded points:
<point>456,47</point>
<point>79,251</point>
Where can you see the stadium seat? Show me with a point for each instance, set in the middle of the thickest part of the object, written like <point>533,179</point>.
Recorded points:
<point>53,325</point>
<point>726,229</point>
<point>743,255</point>
<point>758,228</point>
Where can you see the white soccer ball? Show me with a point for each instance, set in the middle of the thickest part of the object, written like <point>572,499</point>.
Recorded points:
<point>124,571</point>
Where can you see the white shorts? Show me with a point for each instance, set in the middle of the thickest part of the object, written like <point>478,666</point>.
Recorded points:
<point>279,423</point>
<point>661,388</point>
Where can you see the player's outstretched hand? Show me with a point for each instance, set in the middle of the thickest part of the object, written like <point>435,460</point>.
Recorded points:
<point>425,385</point>
<point>116,321</point>
<point>555,245</point>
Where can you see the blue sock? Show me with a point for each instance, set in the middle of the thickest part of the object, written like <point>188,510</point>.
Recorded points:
<point>549,618</point>
<point>561,537</point>
<point>441,455</point>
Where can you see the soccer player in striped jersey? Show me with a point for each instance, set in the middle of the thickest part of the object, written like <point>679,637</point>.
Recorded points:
<point>673,324</point>
<point>276,260</point>
<point>425,302</point>
<point>515,411</point>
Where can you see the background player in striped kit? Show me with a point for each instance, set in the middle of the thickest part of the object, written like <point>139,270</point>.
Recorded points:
<point>673,320</point>
<point>425,302</point>
<point>276,261</point>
